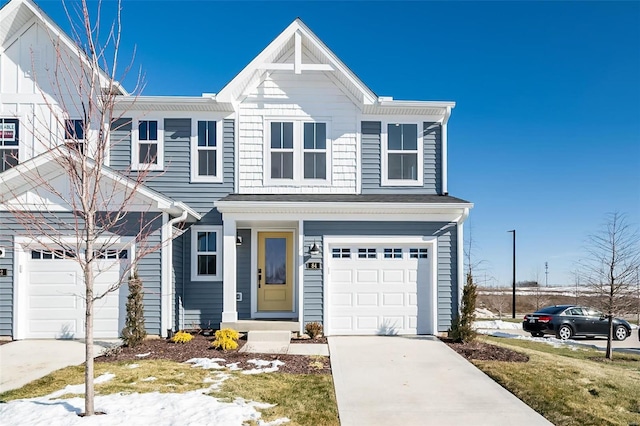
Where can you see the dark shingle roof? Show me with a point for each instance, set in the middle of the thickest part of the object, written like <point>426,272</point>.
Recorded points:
<point>346,198</point>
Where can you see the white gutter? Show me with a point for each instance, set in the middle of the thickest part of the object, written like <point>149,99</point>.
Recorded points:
<point>382,101</point>
<point>291,207</point>
<point>460,233</point>
<point>445,189</point>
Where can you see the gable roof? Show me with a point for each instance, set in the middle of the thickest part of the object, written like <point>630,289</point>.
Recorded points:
<point>15,14</point>
<point>24,177</point>
<point>297,36</point>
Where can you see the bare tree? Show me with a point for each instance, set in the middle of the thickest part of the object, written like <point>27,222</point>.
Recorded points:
<point>103,205</point>
<point>609,269</point>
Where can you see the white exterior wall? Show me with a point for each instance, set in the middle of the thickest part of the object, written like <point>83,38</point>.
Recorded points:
<point>28,93</point>
<point>310,95</point>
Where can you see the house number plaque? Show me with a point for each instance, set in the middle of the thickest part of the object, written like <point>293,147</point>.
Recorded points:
<point>3,272</point>
<point>313,265</point>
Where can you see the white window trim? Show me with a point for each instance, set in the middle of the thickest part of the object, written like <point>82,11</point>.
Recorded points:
<point>135,145</point>
<point>384,166</point>
<point>219,151</point>
<point>194,252</point>
<point>21,146</point>
<point>298,152</point>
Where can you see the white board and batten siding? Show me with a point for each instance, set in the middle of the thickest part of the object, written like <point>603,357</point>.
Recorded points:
<point>309,96</point>
<point>28,91</point>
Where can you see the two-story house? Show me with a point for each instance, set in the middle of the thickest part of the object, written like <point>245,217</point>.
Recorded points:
<point>294,195</point>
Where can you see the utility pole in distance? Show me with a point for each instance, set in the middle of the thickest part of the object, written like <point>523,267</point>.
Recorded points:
<point>513,300</point>
<point>546,274</point>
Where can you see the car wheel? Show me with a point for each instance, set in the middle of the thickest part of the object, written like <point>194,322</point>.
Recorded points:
<point>620,333</point>
<point>564,332</point>
<point>536,334</point>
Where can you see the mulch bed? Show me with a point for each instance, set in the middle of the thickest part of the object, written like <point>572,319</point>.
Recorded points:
<point>200,347</point>
<point>481,351</point>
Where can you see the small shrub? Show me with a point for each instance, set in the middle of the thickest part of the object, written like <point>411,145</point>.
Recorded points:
<point>181,337</point>
<point>134,331</point>
<point>226,339</point>
<point>313,329</point>
<point>462,325</point>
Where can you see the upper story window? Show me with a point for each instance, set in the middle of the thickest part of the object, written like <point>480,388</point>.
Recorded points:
<point>402,155</point>
<point>297,152</point>
<point>9,132</point>
<point>315,150</point>
<point>147,147</point>
<point>206,152</point>
<point>281,150</point>
<point>74,134</point>
<point>206,258</point>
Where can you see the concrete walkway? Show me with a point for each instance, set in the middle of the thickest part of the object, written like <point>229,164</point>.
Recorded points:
<point>23,361</point>
<point>407,381</point>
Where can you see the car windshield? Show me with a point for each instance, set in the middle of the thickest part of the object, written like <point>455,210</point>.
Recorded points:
<point>553,310</point>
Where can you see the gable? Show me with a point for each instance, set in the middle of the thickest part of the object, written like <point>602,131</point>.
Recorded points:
<point>297,50</point>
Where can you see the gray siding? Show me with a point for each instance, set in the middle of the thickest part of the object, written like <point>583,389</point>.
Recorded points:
<point>447,260</point>
<point>149,266</point>
<point>175,180</point>
<point>6,282</point>
<point>178,278</point>
<point>372,161</point>
<point>243,273</point>
<point>201,300</point>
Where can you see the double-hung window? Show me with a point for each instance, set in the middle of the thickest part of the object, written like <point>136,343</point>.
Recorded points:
<point>315,151</point>
<point>402,155</point>
<point>297,152</point>
<point>206,257</point>
<point>9,129</point>
<point>206,151</point>
<point>74,132</point>
<point>147,147</point>
<point>282,150</point>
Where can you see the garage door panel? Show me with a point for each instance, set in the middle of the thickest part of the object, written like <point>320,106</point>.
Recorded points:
<point>365,276</point>
<point>342,299</point>
<point>393,276</point>
<point>393,299</point>
<point>367,299</point>
<point>54,329</point>
<point>62,302</point>
<point>342,276</point>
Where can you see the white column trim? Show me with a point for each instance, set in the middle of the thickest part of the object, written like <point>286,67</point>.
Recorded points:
<point>229,285</point>
<point>165,276</point>
<point>300,287</point>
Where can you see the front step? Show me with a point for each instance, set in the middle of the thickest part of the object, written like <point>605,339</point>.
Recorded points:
<point>244,326</point>
<point>267,341</point>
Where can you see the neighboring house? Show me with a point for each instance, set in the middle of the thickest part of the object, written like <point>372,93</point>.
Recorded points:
<point>293,195</point>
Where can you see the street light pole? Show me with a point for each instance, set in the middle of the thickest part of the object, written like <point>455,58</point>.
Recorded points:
<point>513,300</point>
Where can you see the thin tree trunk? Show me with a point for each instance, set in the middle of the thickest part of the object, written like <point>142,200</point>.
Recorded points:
<point>609,353</point>
<point>88,282</point>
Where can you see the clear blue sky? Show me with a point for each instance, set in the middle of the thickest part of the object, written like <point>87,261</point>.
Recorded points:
<point>545,137</point>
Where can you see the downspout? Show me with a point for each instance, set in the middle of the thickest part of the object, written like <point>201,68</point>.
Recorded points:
<point>170,223</point>
<point>460,231</point>
<point>445,120</point>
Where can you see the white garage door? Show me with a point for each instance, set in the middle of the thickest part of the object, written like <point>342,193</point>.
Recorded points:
<point>381,289</point>
<point>55,302</point>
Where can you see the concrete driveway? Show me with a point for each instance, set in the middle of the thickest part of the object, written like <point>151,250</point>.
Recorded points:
<point>25,360</point>
<point>382,380</point>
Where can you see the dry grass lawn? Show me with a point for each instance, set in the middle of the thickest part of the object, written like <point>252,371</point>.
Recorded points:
<point>568,387</point>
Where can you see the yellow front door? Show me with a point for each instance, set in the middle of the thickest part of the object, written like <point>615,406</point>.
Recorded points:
<point>275,271</point>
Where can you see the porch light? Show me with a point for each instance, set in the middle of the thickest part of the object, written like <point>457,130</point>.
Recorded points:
<point>238,240</point>
<point>314,249</point>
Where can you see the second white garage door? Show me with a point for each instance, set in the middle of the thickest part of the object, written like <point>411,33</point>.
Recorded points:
<point>379,289</point>
<point>55,302</point>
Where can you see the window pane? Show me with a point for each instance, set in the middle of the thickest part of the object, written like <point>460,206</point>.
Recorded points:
<point>79,129</point>
<point>211,241</point>
<point>8,159</point>
<point>394,134</point>
<point>207,163</point>
<point>275,260</point>
<point>287,135</point>
<point>202,241</point>
<point>276,135</point>
<point>148,153</point>
<point>282,165</point>
<point>143,131</point>
<point>9,132</point>
<point>315,166</point>
<point>69,131</point>
<point>202,133</point>
<point>321,135</point>
<point>153,130</point>
<point>409,136</point>
<point>207,264</point>
<point>309,136</point>
<point>403,166</point>
<point>211,130</point>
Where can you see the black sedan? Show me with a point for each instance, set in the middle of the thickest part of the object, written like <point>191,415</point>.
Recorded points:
<point>565,321</point>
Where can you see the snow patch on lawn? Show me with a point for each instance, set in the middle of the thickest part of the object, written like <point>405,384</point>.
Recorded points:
<point>133,365</point>
<point>497,325</point>
<point>556,343</point>
<point>149,379</point>
<point>143,355</point>
<point>79,389</point>
<point>206,363</point>
<point>262,366</point>
<point>190,408</point>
